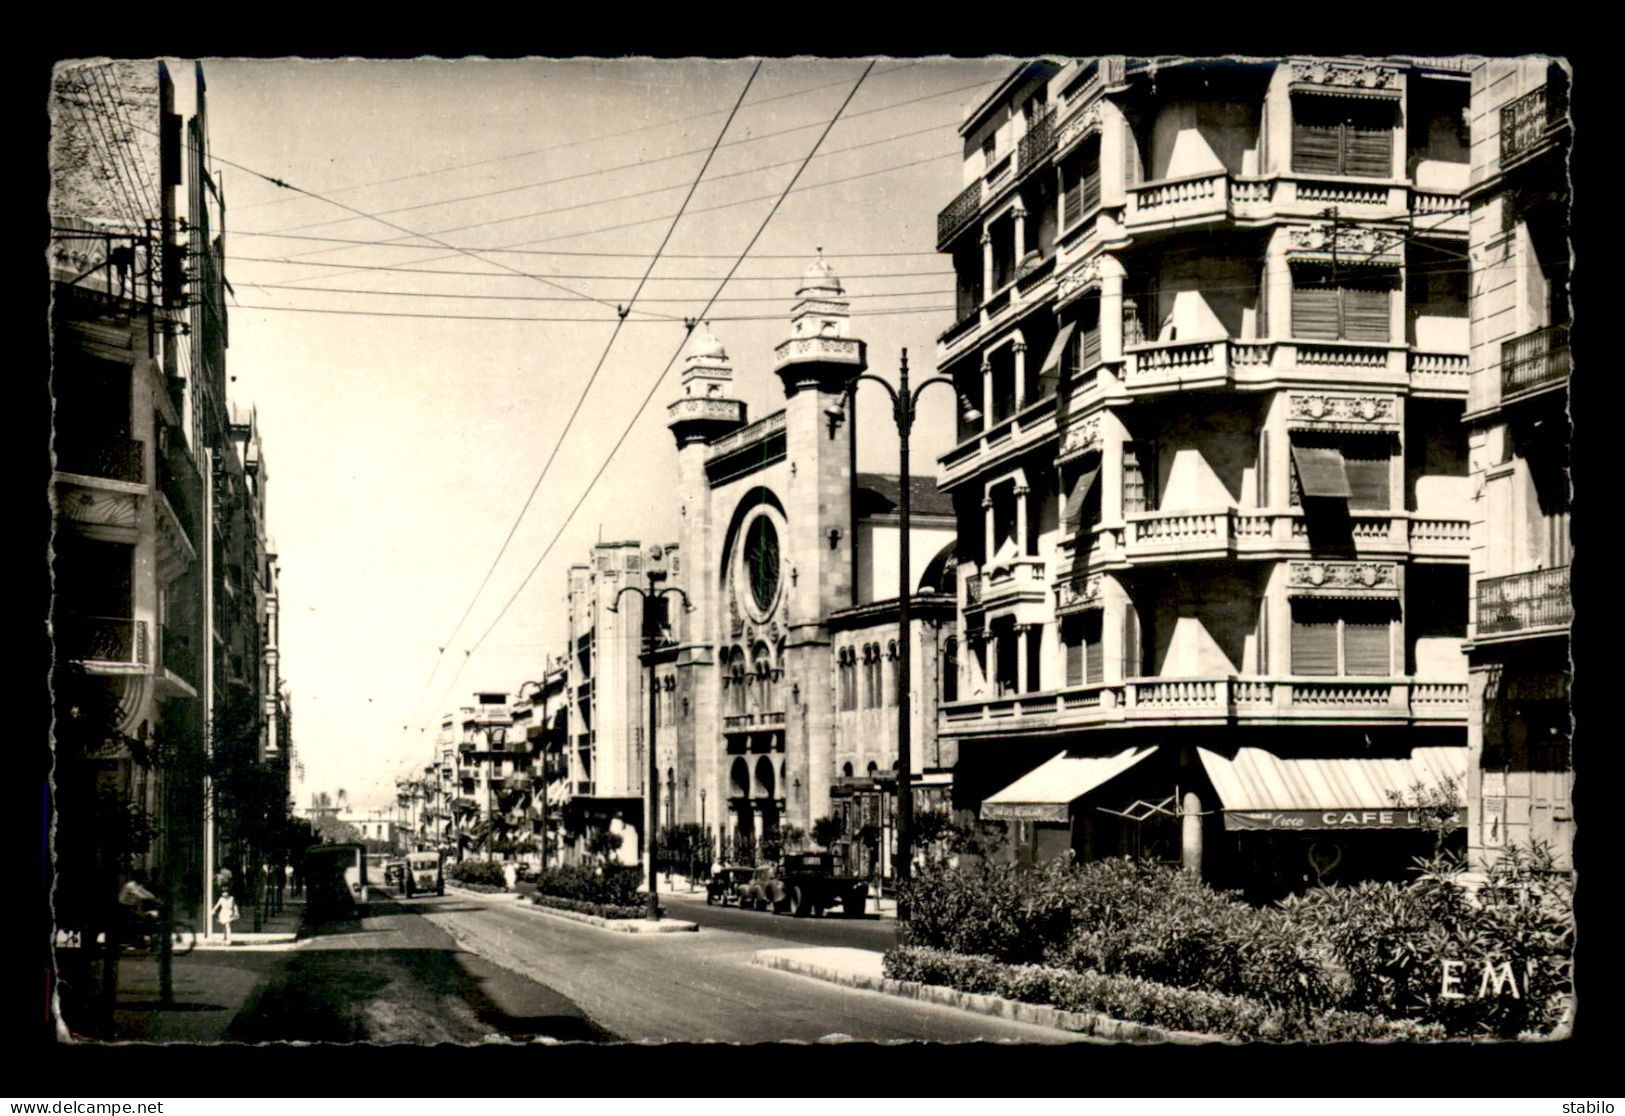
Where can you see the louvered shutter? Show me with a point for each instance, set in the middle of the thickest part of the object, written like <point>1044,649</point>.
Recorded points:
<point>1368,142</point>
<point>1314,640</point>
<point>1367,642</point>
<point>1366,463</point>
<point>1049,373</point>
<point>1071,191</point>
<point>1321,472</point>
<point>1090,184</point>
<point>1077,501</point>
<point>1072,634</point>
<point>1366,302</point>
<point>1317,138</point>
<point>1089,334</point>
<point>1094,666</point>
<point>1314,304</point>
<point>1132,656</point>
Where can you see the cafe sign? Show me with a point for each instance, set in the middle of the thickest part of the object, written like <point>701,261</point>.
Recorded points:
<point>1390,818</point>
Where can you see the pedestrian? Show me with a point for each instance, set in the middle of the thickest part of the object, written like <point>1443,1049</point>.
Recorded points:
<point>225,909</point>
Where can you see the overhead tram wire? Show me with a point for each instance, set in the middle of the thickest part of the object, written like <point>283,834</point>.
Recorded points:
<point>642,163</point>
<point>576,321</point>
<point>658,380</point>
<point>561,298</point>
<point>571,143</point>
<point>604,356</point>
<point>569,252</point>
<point>778,278</point>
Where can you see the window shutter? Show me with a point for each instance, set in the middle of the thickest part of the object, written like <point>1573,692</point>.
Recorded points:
<point>1366,463</point>
<point>1132,657</point>
<point>1314,304</point>
<point>1321,472</point>
<point>1091,183</point>
<point>1366,643</point>
<point>1365,309</point>
<point>1314,640</point>
<point>1316,139</point>
<point>1071,191</point>
<point>1368,143</point>
<point>1139,458</point>
<point>1072,634</point>
<point>1089,629</point>
<point>1077,501</point>
<point>1089,335</point>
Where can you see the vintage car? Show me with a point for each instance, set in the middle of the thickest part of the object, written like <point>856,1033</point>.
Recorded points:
<point>763,889</point>
<point>723,886</point>
<point>424,874</point>
<point>395,873</point>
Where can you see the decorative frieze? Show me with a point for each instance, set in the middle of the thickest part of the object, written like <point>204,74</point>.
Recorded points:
<point>820,348</point>
<point>1077,593</point>
<point>1351,75</point>
<point>1082,436</point>
<point>1375,411</point>
<point>1087,122</point>
<point>1351,243</point>
<point>1077,280</point>
<point>1370,577</point>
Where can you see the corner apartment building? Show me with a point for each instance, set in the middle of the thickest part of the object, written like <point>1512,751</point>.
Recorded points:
<point>482,781</point>
<point>1213,514</point>
<point>1522,772</point>
<point>164,579</point>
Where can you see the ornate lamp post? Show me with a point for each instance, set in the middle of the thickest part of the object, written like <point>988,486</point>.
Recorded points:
<point>905,408</point>
<point>651,791</point>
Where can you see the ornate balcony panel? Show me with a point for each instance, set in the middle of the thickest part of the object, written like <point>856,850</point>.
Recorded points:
<point>120,459</point>
<point>178,655</point>
<point>1439,373</point>
<point>958,213</point>
<point>1530,120</point>
<point>1016,581</point>
<point>1182,199</point>
<point>1176,363</point>
<point>1534,362</point>
<point>1524,602</point>
<point>1180,533</point>
<point>102,641</point>
<point>1438,212</point>
<point>1035,147</point>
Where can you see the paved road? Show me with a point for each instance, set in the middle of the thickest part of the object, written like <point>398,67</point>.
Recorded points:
<point>869,932</point>
<point>396,977</point>
<point>698,987</point>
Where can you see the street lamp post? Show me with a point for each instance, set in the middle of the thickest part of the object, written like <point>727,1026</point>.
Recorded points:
<point>905,408</point>
<point>651,790</point>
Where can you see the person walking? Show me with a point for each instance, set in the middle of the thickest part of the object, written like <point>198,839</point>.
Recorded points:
<point>225,909</point>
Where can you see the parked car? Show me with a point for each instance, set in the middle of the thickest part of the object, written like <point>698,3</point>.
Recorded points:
<point>762,890</point>
<point>724,884</point>
<point>395,873</point>
<point>424,874</point>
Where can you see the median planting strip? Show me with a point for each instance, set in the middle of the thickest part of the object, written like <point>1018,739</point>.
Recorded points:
<point>858,968</point>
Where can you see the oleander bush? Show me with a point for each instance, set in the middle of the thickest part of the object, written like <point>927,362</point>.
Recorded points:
<point>485,872</point>
<point>1140,1001</point>
<point>1375,949</point>
<point>610,885</point>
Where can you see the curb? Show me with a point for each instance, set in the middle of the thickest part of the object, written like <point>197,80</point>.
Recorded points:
<point>621,925</point>
<point>1038,1015</point>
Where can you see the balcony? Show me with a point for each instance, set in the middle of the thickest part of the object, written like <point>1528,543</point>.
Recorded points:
<point>178,480</point>
<point>1530,121</point>
<point>958,213</point>
<point>118,459</point>
<point>103,644</point>
<point>1227,699</point>
<point>177,655</point>
<point>1535,362</point>
<point>1012,582</point>
<point>1182,534</point>
<point>1179,200</point>
<point>1037,144</point>
<point>1524,603</point>
<point>1439,374</point>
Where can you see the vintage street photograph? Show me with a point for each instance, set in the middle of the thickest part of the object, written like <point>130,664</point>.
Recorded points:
<point>1027,550</point>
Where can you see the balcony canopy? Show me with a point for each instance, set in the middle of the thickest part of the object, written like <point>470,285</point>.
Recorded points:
<point>1260,790</point>
<point>1047,792</point>
<point>1321,471</point>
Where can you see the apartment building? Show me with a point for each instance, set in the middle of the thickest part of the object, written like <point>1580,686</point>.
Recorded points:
<point>478,793</point>
<point>164,593</point>
<point>1211,489</point>
<point>1522,772</point>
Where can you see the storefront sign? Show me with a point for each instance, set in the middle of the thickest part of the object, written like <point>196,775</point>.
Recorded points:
<point>1329,819</point>
<point>1024,811</point>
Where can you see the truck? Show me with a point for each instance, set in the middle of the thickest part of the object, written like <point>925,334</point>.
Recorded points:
<point>808,884</point>
<point>424,874</point>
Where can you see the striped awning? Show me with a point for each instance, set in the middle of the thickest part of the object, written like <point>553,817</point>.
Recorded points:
<point>1260,790</point>
<point>1047,792</point>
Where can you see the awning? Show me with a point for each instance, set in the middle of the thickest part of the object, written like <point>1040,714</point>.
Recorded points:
<point>1052,362</point>
<point>1047,792</point>
<point>1080,492</point>
<point>1321,471</point>
<point>1260,790</point>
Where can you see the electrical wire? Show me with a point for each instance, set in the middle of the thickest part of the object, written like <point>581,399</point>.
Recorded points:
<point>577,321</point>
<point>561,298</point>
<point>610,344</point>
<point>780,278</point>
<point>655,384</point>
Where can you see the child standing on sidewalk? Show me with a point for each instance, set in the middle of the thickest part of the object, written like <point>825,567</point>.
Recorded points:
<point>225,909</point>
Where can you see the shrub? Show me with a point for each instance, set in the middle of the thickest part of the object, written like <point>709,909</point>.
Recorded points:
<point>614,885</point>
<point>487,872</point>
<point>598,910</point>
<point>1136,1000</point>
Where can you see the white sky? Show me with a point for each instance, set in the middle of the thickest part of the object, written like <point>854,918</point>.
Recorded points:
<point>401,449</point>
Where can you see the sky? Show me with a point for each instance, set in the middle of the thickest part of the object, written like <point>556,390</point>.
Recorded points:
<point>409,395</point>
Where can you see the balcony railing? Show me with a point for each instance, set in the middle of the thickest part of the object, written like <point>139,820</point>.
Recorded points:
<point>103,640</point>
<point>120,459</point>
<point>1255,700</point>
<point>959,212</point>
<point>1526,121</point>
<point>179,656</point>
<point>181,485</point>
<point>1037,144</point>
<point>1536,360</point>
<point>1524,601</point>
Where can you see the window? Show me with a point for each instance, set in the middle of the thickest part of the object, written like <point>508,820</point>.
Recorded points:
<point>847,665</point>
<point>871,676</point>
<point>1342,637</point>
<point>1085,659</point>
<point>950,669</point>
<point>1334,135</point>
<point>1082,509</point>
<point>892,668</point>
<point>1080,182</point>
<point>1082,332</point>
<point>1352,307</point>
<point>1356,469</point>
<point>1139,477</point>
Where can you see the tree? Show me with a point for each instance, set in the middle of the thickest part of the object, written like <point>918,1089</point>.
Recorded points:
<point>827,831</point>
<point>603,844</point>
